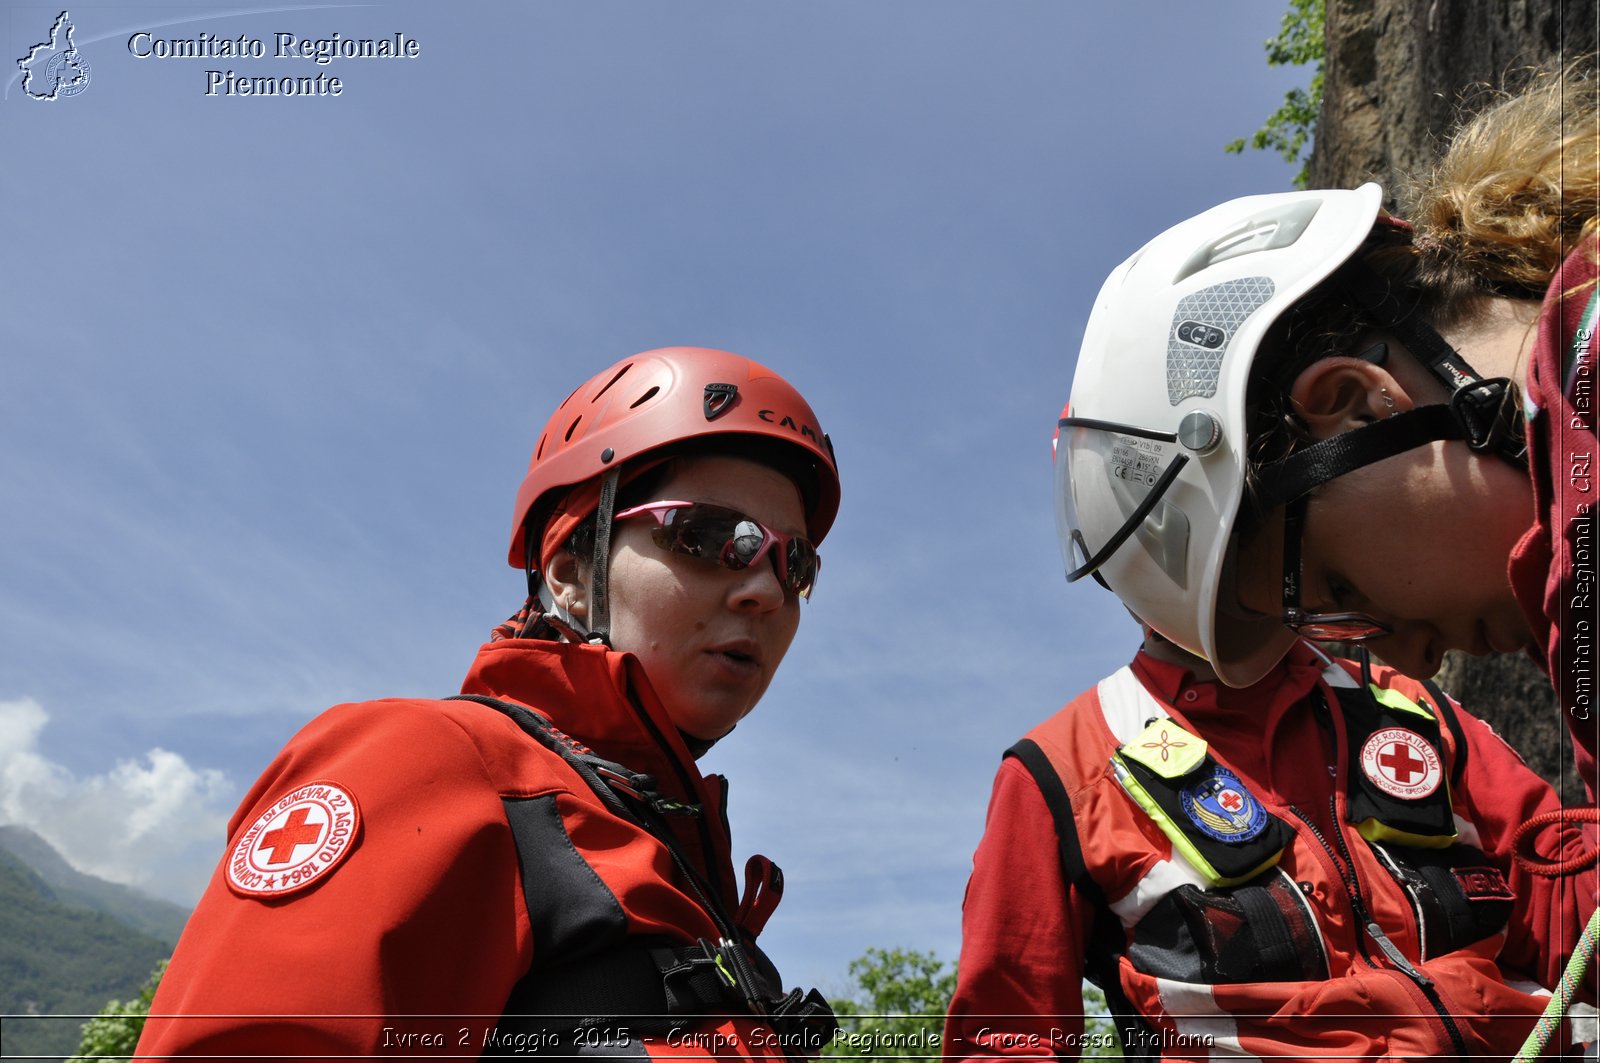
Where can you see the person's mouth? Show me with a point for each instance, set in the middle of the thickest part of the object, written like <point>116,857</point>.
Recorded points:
<point>741,655</point>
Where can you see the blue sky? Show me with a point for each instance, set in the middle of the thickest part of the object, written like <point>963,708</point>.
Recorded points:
<point>272,368</point>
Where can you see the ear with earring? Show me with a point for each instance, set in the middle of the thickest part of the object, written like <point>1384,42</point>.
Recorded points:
<point>1388,401</point>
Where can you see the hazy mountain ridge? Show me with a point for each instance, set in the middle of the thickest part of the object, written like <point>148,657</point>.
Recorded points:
<point>69,942</point>
<point>158,918</point>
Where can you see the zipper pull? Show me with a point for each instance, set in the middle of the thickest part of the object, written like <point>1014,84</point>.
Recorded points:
<point>1391,950</point>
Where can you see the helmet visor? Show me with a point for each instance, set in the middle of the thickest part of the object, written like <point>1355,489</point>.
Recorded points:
<point>1110,483</point>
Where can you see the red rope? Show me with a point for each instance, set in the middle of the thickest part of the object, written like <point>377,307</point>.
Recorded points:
<point>1538,865</point>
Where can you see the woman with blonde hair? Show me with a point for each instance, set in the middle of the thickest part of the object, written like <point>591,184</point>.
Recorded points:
<point>1294,418</point>
<point>1390,426</point>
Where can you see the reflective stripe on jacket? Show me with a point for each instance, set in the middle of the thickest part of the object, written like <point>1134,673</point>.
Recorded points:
<point>1329,952</point>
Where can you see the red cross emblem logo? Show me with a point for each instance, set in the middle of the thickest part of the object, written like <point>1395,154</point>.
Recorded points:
<point>1231,800</point>
<point>293,834</point>
<point>297,840</point>
<point>1401,763</point>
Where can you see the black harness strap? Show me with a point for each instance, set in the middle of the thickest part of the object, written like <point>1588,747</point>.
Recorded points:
<point>652,985</point>
<point>1446,711</point>
<point>1107,941</point>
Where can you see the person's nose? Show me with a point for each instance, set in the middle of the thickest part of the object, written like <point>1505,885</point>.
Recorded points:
<point>758,588</point>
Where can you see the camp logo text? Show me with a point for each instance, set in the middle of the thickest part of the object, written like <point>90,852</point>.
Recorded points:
<point>320,51</point>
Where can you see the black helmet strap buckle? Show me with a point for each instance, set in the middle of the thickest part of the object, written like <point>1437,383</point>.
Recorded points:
<point>1484,406</point>
<point>1487,408</point>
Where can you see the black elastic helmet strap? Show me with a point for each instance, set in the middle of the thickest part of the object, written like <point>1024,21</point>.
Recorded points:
<point>1372,291</point>
<point>1313,466</point>
<point>1480,412</point>
<point>1493,420</point>
<point>1473,415</point>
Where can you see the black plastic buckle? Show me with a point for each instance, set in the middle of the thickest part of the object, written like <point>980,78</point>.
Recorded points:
<point>1485,408</point>
<point>803,1021</point>
<point>640,787</point>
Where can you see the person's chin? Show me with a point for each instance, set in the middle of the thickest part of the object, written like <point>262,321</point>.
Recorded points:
<point>713,713</point>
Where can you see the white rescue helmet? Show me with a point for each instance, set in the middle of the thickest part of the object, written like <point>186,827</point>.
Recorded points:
<point>1151,450</point>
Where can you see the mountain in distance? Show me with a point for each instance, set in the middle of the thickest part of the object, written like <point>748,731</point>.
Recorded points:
<point>161,919</point>
<point>69,943</point>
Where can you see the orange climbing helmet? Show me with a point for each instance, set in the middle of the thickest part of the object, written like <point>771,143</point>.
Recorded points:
<point>667,398</point>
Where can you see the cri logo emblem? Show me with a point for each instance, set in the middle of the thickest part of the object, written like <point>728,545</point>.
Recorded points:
<point>1201,334</point>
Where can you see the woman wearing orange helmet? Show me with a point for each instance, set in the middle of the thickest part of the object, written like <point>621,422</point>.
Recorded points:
<point>537,864</point>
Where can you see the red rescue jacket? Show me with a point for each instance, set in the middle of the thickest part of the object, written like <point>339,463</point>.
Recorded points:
<point>477,856</point>
<point>1283,963</point>
<point>1553,569</point>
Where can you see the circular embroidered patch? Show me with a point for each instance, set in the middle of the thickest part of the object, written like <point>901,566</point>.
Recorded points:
<point>1222,808</point>
<point>1401,763</point>
<point>303,836</point>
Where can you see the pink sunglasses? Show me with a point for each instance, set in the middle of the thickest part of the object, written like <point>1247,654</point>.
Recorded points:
<point>728,538</point>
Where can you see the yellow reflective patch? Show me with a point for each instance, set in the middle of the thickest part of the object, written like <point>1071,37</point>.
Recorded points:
<point>1377,831</point>
<point>1182,847</point>
<point>1391,698</point>
<point>1166,749</point>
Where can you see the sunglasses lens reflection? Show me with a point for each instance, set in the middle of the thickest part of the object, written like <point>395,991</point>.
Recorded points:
<point>734,541</point>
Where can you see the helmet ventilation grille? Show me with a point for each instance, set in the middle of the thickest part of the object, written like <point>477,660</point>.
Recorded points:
<point>573,427</point>
<point>642,399</point>
<point>615,377</point>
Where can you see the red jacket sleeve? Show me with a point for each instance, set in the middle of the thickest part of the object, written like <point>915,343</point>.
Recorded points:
<point>1553,569</point>
<point>1501,793</point>
<point>423,916</point>
<point>1019,982</point>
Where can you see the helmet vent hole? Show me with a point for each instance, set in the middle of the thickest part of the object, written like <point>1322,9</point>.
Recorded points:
<point>642,399</point>
<point>538,451</point>
<point>614,378</point>
<point>573,427</point>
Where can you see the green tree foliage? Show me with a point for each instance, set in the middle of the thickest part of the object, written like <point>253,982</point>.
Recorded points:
<point>897,1006</point>
<point>1099,1032</point>
<point>114,1033</point>
<point>896,1009</point>
<point>1287,130</point>
<point>59,961</point>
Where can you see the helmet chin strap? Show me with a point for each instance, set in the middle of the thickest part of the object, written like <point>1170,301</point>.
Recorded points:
<point>1480,412</point>
<point>1313,466</point>
<point>599,577</point>
<point>551,611</point>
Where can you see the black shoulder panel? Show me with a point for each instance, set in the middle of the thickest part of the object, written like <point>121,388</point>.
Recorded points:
<point>572,911</point>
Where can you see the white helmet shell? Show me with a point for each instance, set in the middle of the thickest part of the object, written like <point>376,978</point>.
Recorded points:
<point>1152,449</point>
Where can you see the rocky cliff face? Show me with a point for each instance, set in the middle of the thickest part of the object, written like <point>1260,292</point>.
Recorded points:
<point>1398,72</point>
<point>1397,75</point>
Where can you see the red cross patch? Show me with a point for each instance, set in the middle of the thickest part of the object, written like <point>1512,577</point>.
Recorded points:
<point>298,840</point>
<point>1401,763</point>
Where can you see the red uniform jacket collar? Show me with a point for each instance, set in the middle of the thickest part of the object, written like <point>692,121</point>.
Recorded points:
<point>1267,727</point>
<point>598,696</point>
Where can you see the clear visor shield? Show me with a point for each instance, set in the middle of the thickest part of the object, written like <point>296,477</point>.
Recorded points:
<point>1110,484</point>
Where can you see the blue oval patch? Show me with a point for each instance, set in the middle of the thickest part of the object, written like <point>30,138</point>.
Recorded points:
<point>1222,808</point>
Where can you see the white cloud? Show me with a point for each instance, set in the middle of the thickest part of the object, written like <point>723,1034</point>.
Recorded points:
<point>153,822</point>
